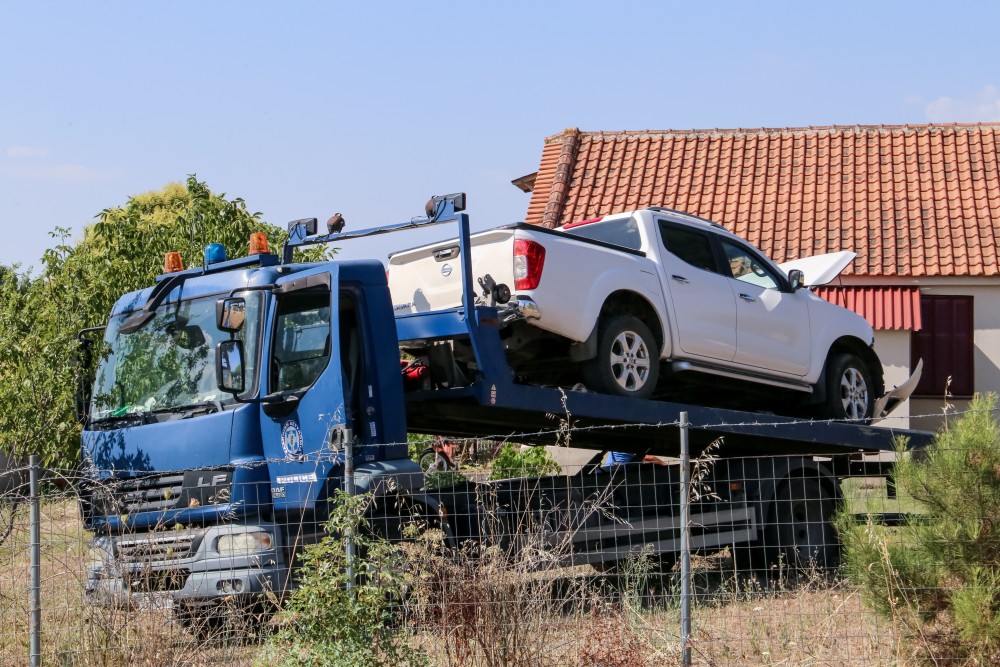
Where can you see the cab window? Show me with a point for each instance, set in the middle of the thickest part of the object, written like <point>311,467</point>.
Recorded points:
<point>689,245</point>
<point>302,340</point>
<point>744,265</point>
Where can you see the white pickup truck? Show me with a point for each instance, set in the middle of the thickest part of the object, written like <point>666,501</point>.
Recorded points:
<point>643,303</point>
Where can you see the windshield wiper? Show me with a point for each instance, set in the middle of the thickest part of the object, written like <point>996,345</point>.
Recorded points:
<point>191,409</point>
<point>136,418</point>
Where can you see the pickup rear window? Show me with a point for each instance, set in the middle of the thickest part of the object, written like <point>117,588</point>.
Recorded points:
<point>623,233</point>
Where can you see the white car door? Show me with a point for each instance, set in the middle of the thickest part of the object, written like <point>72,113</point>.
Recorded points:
<point>701,301</point>
<point>772,325</point>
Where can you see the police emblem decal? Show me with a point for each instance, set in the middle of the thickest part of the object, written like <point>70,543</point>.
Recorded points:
<point>291,440</point>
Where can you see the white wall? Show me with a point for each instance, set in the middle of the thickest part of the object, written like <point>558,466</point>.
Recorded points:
<point>893,349</point>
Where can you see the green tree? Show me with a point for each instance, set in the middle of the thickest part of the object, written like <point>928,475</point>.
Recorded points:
<point>76,288</point>
<point>939,574</point>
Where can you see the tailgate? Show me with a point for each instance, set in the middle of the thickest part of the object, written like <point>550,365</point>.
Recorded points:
<point>430,277</point>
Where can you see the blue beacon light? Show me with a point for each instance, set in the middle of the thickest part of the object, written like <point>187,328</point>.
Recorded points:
<point>214,252</point>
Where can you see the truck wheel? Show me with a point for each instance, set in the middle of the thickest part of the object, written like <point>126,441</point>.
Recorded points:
<point>800,534</point>
<point>627,361</point>
<point>228,623</point>
<point>848,389</point>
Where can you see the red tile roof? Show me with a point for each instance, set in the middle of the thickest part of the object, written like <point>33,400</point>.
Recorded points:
<point>917,200</point>
<point>892,308</point>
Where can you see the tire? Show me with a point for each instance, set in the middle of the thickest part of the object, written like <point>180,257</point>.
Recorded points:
<point>797,535</point>
<point>848,389</point>
<point>627,361</point>
<point>800,534</point>
<point>226,625</point>
<point>431,461</point>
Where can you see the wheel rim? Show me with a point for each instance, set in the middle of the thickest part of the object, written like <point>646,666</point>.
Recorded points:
<point>630,361</point>
<point>806,531</point>
<point>854,394</point>
<point>803,533</point>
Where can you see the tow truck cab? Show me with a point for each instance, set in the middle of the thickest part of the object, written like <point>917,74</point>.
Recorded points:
<point>187,476</point>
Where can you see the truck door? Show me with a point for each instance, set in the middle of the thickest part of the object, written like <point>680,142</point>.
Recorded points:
<point>304,416</point>
<point>773,323</point>
<point>701,301</point>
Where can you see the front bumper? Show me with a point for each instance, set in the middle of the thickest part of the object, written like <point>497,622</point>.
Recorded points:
<point>894,398</point>
<point>148,569</point>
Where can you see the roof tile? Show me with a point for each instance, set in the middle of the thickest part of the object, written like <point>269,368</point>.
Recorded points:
<point>913,200</point>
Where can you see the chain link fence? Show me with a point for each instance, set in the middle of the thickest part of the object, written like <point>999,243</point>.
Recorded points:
<point>712,560</point>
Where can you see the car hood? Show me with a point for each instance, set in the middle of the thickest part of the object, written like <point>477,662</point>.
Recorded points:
<point>820,269</point>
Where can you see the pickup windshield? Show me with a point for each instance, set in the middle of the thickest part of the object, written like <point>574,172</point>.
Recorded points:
<point>169,363</point>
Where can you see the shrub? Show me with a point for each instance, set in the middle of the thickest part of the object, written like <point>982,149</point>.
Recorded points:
<point>327,624</point>
<point>512,461</point>
<point>939,574</point>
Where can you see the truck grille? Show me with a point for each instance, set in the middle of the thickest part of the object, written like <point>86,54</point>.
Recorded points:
<point>155,581</point>
<point>149,494</point>
<point>158,547</point>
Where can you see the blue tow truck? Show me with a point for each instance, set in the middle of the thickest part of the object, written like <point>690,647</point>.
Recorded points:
<point>232,401</point>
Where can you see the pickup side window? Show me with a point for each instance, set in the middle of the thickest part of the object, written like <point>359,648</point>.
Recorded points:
<point>624,233</point>
<point>747,267</point>
<point>690,246</point>
<point>302,340</point>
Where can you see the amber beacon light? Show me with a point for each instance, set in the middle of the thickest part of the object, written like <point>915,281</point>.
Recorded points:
<point>172,262</point>
<point>258,244</point>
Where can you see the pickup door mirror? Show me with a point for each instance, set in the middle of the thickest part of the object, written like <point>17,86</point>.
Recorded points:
<point>796,279</point>
<point>230,314</point>
<point>229,366</point>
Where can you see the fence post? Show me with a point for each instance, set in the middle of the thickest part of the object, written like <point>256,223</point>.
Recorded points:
<point>35,621</point>
<point>685,543</point>
<point>350,490</point>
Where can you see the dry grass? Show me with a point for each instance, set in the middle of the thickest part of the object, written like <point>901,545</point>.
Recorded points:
<point>481,617</point>
<point>74,633</point>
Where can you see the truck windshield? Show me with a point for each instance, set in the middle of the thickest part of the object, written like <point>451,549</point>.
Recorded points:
<point>169,363</point>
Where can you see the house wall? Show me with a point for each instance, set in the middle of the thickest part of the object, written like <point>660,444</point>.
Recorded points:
<point>927,413</point>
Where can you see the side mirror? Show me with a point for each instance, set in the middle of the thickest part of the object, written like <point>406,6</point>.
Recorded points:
<point>230,314</point>
<point>229,366</point>
<point>796,279</point>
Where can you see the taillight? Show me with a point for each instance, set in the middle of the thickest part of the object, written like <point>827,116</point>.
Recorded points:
<point>529,260</point>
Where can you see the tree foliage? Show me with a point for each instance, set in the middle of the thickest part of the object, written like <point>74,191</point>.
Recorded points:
<point>76,288</point>
<point>939,574</point>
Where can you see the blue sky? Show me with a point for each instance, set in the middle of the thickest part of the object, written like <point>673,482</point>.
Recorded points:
<point>308,108</point>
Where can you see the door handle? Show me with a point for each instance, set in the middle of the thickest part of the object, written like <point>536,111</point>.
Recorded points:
<point>680,279</point>
<point>445,253</point>
<point>747,298</point>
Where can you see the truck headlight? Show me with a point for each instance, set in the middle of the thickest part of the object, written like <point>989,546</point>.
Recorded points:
<point>243,544</point>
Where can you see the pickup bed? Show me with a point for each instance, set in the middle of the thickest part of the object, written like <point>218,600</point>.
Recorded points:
<point>643,303</point>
